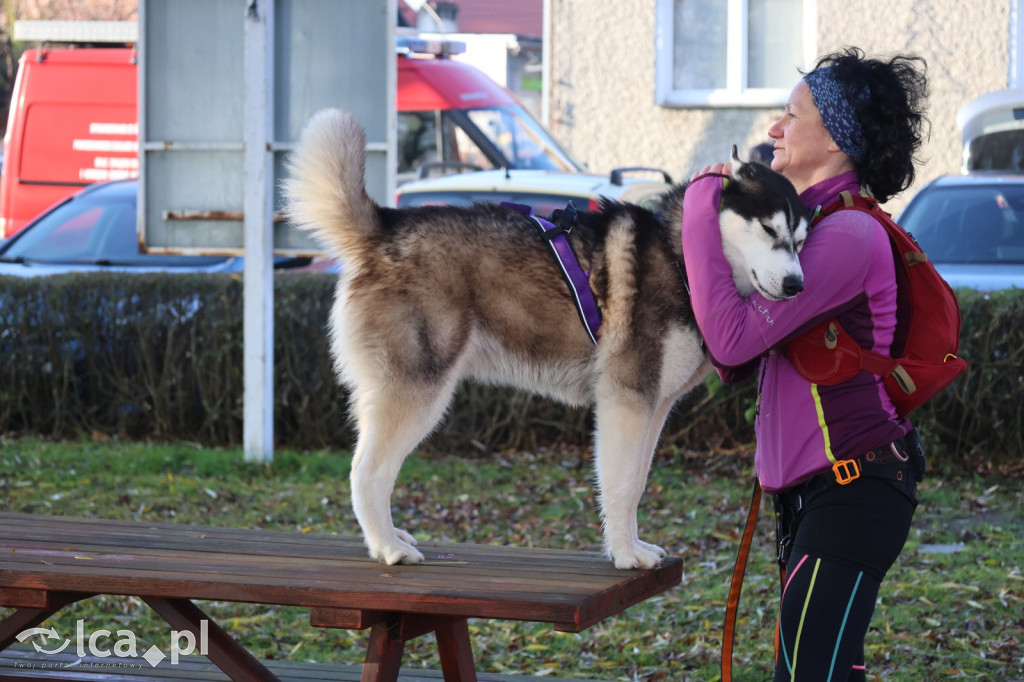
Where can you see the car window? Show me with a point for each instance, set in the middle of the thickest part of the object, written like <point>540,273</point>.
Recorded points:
<point>71,237</point>
<point>62,235</point>
<point>979,224</point>
<point>431,137</point>
<point>518,138</point>
<point>543,204</point>
<point>1000,150</point>
<point>117,236</point>
<point>98,228</point>
<point>487,138</point>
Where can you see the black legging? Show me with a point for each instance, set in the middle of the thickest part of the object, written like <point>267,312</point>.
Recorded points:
<point>846,538</point>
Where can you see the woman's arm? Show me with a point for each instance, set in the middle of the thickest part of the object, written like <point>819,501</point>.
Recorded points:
<point>737,330</point>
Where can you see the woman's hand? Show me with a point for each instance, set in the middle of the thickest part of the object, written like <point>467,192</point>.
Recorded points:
<point>715,169</point>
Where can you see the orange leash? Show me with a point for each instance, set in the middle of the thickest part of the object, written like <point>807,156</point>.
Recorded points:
<point>778,623</point>
<point>732,607</point>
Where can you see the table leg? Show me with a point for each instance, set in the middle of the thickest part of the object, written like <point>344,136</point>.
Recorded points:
<point>21,620</point>
<point>228,655</point>
<point>383,653</point>
<point>456,651</point>
<point>27,617</point>
<point>389,633</point>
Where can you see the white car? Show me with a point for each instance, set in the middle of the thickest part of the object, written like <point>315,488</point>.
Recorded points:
<point>545,191</point>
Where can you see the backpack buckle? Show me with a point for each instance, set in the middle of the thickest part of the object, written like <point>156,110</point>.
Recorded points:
<point>846,470</point>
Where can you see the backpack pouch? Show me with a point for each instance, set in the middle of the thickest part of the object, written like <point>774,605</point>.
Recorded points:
<point>914,382</point>
<point>825,354</point>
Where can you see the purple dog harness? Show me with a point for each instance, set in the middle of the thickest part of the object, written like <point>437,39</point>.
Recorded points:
<point>575,277</point>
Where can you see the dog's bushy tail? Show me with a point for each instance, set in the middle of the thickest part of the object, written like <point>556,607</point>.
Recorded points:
<point>325,193</point>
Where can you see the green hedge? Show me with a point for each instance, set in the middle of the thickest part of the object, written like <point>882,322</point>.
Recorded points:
<point>160,356</point>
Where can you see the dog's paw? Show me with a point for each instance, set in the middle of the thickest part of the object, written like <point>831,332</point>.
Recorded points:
<point>395,548</point>
<point>653,548</point>
<point>398,553</point>
<point>640,555</point>
<point>405,537</point>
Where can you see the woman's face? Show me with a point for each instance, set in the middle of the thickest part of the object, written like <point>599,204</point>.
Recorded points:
<point>804,150</point>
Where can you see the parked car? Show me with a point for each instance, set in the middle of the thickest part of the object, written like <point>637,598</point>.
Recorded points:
<point>95,230</point>
<point>972,228</point>
<point>543,190</point>
<point>992,131</point>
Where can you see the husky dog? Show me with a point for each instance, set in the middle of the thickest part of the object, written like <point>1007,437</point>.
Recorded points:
<point>431,295</point>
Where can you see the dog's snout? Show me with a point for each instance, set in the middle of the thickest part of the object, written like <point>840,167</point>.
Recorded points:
<point>792,285</point>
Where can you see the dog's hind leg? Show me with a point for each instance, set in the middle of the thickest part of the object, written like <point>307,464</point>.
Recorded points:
<point>390,424</point>
<point>625,439</point>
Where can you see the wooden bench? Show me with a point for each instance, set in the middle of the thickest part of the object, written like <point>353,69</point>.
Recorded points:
<point>49,562</point>
<point>24,664</point>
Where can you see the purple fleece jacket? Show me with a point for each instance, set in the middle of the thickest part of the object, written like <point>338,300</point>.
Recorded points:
<point>802,427</point>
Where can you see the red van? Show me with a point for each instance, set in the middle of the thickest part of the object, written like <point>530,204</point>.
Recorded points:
<point>452,115</point>
<point>74,121</point>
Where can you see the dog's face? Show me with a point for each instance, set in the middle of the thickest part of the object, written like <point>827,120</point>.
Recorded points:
<point>764,225</point>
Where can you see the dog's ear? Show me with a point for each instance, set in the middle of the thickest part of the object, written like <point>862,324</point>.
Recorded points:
<point>740,168</point>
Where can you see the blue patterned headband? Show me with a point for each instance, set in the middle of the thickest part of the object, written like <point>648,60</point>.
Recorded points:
<point>837,111</point>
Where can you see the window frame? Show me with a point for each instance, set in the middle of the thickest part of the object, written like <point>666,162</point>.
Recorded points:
<point>735,94</point>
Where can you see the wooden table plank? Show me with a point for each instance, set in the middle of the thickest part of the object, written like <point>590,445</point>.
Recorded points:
<point>217,560</point>
<point>553,562</point>
<point>570,589</point>
<point>287,543</point>
<point>351,576</point>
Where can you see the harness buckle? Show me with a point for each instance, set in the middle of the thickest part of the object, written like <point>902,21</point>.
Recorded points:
<point>569,216</point>
<point>846,470</point>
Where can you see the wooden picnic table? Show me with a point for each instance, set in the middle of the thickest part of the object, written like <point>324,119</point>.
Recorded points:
<point>48,562</point>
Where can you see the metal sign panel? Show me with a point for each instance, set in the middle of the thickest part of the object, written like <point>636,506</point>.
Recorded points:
<point>192,80</point>
<point>225,88</point>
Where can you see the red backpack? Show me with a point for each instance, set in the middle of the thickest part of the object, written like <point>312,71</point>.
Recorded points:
<point>924,349</point>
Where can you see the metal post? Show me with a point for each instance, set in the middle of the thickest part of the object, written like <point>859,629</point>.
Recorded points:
<point>258,408</point>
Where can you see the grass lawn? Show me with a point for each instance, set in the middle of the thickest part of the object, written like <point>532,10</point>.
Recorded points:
<point>951,608</point>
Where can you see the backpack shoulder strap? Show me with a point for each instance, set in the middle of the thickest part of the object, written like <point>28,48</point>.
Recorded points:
<point>902,242</point>
<point>846,200</point>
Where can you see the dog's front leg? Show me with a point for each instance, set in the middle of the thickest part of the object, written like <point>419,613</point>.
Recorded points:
<point>626,435</point>
<point>373,481</point>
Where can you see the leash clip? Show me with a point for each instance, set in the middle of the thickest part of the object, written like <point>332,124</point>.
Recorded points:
<point>846,471</point>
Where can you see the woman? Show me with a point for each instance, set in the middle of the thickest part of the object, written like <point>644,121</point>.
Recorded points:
<point>852,124</point>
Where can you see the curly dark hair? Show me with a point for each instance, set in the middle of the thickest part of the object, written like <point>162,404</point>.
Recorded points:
<point>891,117</point>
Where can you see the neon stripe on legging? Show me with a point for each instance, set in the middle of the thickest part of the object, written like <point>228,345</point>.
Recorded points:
<point>803,616</point>
<point>842,627</point>
<point>782,640</point>
<point>801,563</point>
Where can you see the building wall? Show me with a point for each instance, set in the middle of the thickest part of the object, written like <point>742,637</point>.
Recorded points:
<point>80,10</point>
<point>602,79</point>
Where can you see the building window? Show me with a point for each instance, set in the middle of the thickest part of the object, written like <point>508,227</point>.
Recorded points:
<point>732,53</point>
